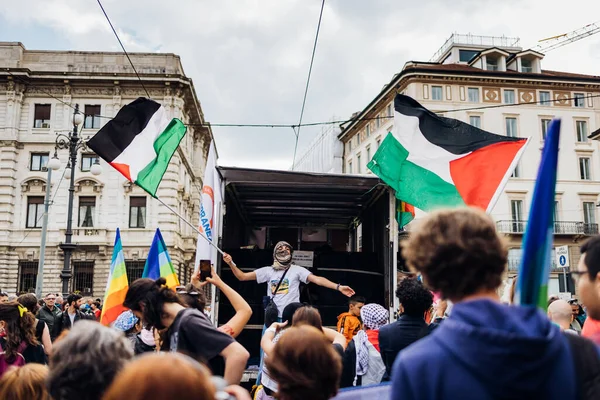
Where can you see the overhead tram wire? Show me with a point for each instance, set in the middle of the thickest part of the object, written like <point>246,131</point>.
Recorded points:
<point>312,59</point>
<point>338,122</point>
<point>123,47</point>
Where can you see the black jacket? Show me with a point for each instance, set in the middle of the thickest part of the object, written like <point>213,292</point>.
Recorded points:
<point>52,318</point>
<point>395,337</point>
<point>65,321</point>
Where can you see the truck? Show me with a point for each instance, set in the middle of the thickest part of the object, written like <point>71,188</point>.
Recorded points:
<point>342,227</point>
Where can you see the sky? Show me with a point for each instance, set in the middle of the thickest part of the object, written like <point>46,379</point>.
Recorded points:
<point>249,59</point>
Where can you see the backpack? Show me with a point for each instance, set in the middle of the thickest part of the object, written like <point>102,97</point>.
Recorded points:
<point>587,366</point>
<point>19,360</point>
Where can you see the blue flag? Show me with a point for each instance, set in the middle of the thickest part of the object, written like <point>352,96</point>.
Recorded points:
<point>534,271</point>
<point>158,263</point>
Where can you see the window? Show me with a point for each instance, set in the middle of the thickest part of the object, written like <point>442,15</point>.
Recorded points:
<point>87,207</point>
<point>491,64</point>
<point>579,100</point>
<point>35,210</point>
<point>474,95</point>
<point>38,161</point>
<point>358,165</point>
<point>378,121</point>
<point>436,93</point>
<point>349,167</point>
<point>516,212</point>
<point>526,66</point>
<point>350,145</point>
<point>27,276</point>
<point>87,160</point>
<point>475,120</point>
<point>368,154</point>
<point>545,125</point>
<point>378,142</point>
<point>92,117</point>
<point>514,259</point>
<point>516,172</point>
<point>509,96</point>
<point>556,213</point>
<point>584,169</point>
<point>83,277</point>
<point>589,212</point>
<point>41,117</point>
<point>582,131</point>
<point>545,98</point>
<point>135,269</point>
<point>466,55</point>
<point>390,110</point>
<point>511,127</point>
<point>137,211</point>
<point>368,130</point>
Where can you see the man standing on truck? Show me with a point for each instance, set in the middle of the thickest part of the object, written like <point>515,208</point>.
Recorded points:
<point>288,288</point>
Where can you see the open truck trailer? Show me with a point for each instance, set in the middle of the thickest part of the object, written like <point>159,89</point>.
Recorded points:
<point>319,215</point>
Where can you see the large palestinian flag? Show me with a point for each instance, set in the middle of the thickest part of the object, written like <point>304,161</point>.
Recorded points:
<point>436,162</point>
<point>139,142</point>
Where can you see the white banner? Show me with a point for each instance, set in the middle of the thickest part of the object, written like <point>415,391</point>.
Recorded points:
<point>210,205</point>
<point>303,258</point>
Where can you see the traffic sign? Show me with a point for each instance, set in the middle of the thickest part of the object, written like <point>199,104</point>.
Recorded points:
<point>562,256</point>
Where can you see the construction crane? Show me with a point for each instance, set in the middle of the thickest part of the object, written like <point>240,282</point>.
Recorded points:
<point>554,42</point>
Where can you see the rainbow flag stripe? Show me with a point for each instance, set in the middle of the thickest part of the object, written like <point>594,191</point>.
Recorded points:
<point>117,285</point>
<point>158,263</point>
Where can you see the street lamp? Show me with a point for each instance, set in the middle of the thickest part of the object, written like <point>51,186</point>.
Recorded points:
<point>52,165</point>
<point>73,142</point>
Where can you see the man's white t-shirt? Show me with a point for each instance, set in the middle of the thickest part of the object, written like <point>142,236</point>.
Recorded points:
<point>289,290</point>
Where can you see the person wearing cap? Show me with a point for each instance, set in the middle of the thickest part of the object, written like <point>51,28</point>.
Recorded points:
<point>142,340</point>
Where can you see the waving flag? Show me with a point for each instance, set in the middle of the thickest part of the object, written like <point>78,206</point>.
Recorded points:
<point>436,162</point>
<point>139,142</point>
<point>404,213</point>
<point>117,285</point>
<point>534,271</point>
<point>158,263</point>
<point>210,203</point>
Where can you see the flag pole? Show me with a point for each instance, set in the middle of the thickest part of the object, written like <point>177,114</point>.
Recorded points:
<point>190,224</point>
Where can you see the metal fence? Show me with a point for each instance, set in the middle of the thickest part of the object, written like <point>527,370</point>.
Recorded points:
<point>83,277</point>
<point>560,227</point>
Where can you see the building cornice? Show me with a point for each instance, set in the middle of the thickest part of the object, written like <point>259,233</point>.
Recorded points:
<point>428,72</point>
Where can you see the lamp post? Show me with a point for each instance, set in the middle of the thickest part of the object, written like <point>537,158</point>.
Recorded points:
<point>73,142</point>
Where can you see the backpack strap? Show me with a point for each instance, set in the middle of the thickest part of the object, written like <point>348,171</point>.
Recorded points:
<point>281,280</point>
<point>586,359</point>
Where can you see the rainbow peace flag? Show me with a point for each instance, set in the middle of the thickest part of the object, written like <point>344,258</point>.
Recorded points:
<point>117,285</point>
<point>158,263</point>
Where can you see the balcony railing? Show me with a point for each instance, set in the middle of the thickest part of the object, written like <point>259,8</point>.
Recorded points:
<point>560,228</point>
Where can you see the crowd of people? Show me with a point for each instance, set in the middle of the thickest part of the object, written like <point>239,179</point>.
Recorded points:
<point>454,337</point>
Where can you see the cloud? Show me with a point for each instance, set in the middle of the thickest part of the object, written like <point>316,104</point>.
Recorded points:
<point>249,58</point>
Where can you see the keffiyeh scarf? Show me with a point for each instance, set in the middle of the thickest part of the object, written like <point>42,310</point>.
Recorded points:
<point>373,317</point>
<point>281,258</point>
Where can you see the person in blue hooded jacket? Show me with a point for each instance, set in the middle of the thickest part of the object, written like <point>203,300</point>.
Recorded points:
<point>485,349</point>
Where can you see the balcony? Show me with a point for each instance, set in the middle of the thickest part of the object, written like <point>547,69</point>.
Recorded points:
<point>560,228</point>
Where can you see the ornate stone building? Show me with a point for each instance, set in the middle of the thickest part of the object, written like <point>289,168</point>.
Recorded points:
<point>38,90</point>
<point>494,84</point>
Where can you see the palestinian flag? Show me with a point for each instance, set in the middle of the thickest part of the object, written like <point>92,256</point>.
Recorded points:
<point>139,142</point>
<point>436,162</point>
<point>405,213</point>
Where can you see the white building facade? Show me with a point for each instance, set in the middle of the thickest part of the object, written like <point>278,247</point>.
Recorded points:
<point>38,90</point>
<point>502,89</point>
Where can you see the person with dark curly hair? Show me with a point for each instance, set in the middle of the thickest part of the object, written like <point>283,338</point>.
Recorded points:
<point>188,330</point>
<point>415,301</point>
<point>485,349</point>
